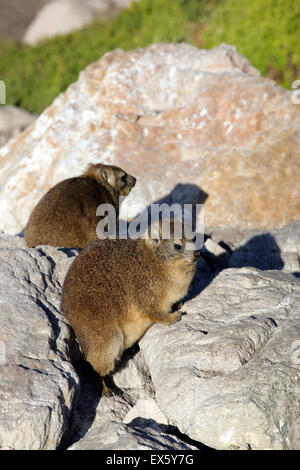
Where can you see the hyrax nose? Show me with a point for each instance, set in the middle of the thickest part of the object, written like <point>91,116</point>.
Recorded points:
<point>197,254</point>
<point>132,181</point>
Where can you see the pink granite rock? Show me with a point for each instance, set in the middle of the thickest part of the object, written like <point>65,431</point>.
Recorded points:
<point>167,114</point>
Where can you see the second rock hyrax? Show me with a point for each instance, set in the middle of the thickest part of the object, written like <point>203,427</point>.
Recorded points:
<point>117,288</point>
<point>66,215</point>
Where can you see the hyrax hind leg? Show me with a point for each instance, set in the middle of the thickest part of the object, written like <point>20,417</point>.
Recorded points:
<point>103,354</point>
<point>105,389</point>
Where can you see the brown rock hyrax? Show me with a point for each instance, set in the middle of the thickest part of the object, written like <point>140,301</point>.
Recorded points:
<point>66,215</point>
<point>117,288</point>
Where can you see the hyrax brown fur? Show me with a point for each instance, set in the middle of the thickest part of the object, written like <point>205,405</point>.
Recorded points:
<point>66,215</point>
<point>117,288</point>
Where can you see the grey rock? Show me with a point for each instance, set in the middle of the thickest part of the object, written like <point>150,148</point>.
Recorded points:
<point>146,409</point>
<point>94,411</point>
<point>63,16</point>
<point>38,384</point>
<point>228,374</point>
<point>13,120</point>
<point>230,236</point>
<point>274,249</point>
<point>133,380</point>
<point>118,436</point>
<point>127,109</point>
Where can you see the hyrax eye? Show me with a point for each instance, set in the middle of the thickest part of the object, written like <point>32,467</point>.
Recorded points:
<point>178,247</point>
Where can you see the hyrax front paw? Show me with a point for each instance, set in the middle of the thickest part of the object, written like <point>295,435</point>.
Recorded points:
<point>177,305</point>
<point>173,317</point>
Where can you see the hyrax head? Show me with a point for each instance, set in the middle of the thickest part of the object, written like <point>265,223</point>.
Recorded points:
<point>168,238</point>
<point>115,177</point>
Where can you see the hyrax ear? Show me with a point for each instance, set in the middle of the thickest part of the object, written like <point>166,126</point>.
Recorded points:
<point>108,175</point>
<point>154,233</point>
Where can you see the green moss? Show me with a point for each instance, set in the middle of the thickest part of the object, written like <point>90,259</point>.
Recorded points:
<point>265,31</point>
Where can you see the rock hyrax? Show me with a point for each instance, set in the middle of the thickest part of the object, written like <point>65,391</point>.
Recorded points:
<point>66,215</point>
<point>117,288</point>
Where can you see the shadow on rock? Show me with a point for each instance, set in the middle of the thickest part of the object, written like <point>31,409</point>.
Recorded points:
<point>261,252</point>
<point>140,422</point>
<point>90,393</point>
<point>181,195</point>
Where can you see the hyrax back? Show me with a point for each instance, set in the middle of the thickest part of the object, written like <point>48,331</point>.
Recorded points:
<point>116,289</point>
<point>66,215</point>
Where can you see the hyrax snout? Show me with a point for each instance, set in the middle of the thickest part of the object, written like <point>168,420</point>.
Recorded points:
<point>66,215</point>
<point>117,288</point>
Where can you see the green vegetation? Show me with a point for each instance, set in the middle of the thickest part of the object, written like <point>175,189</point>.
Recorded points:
<point>35,75</point>
<point>265,31</point>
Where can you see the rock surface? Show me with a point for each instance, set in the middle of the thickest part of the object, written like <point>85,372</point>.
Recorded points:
<point>13,120</point>
<point>274,249</point>
<point>117,436</point>
<point>146,409</point>
<point>202,119</point>
<point>228,374</point>
<point>63,16</point>
<point>38,384</point>
<point>133,379</point>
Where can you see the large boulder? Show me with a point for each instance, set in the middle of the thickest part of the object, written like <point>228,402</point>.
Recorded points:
<point>228,374</point>
<point>178,118</point>
<point>38,384</point>
<point>138,436</point>
<point>133,379</point>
